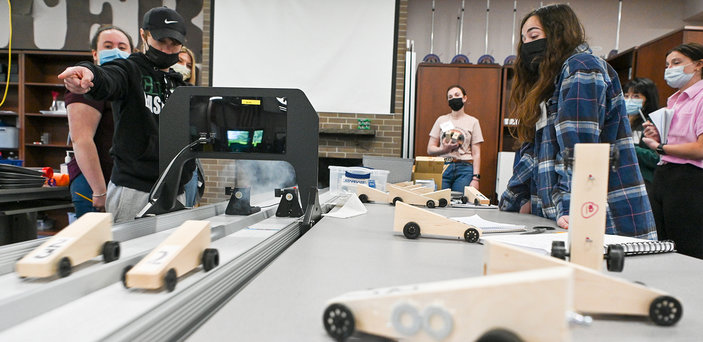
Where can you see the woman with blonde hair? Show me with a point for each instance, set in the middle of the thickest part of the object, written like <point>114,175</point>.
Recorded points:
<point>186,65</point>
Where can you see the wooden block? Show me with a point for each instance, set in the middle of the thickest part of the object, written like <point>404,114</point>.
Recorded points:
<point>460,310</point>
<point>474,196</point>
<point>594,291</point>
<point>79,242</point>
<point>366,194</point>
<point>181,251</point>
<point>587,212</point>
<point>402,184</point>
<point>396,194</point>
<point>414,222</point>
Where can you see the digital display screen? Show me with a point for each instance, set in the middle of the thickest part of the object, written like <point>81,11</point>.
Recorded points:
<point>241,124</point>
<point>258,137</point>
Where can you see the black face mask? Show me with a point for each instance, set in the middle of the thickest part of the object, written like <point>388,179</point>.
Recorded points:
<point>161,59</point>
<point>533,53</point>
<point>456,103</point>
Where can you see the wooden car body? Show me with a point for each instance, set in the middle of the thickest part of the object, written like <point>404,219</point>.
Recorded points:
<point>413,222</point>
<point>182,251</point>
<point>459,310</point>
<point>402,194</point>
<point>594,292</point>
<point>369,194</point>
<point>80,241</point>
<point>472,195</point>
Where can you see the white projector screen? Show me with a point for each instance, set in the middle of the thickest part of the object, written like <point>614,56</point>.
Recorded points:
<point>339,52</point>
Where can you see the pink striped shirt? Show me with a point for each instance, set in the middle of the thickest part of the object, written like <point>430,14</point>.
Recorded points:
<point>687,123</point>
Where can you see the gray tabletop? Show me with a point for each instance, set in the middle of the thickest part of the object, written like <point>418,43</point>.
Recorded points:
<point>285,302</point>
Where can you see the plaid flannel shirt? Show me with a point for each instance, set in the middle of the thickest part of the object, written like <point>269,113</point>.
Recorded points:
<point>587,107</point>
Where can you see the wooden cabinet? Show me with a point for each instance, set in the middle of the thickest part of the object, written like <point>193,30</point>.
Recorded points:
<point>483,84</point>
<point>31,93</point>
<point>649,59</point>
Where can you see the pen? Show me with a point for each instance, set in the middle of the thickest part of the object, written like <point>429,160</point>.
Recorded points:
<point>79,194</point>
<point>642,115</point>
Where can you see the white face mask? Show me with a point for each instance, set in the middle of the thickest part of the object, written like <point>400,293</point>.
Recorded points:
<point>633,106</point>
<point>676,78</point>
<point>183,70</point>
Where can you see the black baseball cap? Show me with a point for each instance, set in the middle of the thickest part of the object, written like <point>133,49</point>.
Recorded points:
<point>164,22</point>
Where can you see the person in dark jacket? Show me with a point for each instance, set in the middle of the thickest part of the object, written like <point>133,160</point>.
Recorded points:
<point>138,87</point>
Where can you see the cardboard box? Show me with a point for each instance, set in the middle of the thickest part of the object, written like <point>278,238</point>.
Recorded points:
<point>429,168</point>
<point>429,164</point>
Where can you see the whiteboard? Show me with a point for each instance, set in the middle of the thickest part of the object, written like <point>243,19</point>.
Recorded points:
<point>339,52</point>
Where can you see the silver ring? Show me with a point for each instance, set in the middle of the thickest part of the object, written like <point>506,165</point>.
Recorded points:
<point>397,319</point>
<point>444,315</point>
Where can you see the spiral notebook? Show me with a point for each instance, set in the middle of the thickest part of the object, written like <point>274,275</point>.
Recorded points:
<point>647,247</point>
<point>542,243</point>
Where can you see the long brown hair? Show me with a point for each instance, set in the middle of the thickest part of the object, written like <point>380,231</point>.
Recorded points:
<point>564,33</point>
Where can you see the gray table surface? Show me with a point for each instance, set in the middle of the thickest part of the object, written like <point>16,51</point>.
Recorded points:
<point>285,302</point>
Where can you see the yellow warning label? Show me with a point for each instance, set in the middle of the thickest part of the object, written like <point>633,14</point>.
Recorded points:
<point>251,102</point>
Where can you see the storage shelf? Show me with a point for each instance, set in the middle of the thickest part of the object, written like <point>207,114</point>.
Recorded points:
<point>343,131</point>
<point>47,115</point>
<point>42,84</point>
<point>49,145</point>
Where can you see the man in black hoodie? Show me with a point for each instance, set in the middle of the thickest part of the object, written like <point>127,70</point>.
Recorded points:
<point>138,88</point>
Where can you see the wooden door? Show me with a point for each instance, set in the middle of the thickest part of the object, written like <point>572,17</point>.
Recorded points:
<point>483,87</point>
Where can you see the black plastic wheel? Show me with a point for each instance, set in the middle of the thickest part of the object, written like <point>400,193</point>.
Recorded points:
<point>124,275</point>
<point>443,202</point>
<point>111,251</point>
<point>411,230</point>
<point>476,201</point>
<point>397,199</point>
<point>464,199</point>
<point>559,250</point>
<point>338,321</point>
<point>364,198</point>
<point>665,310</point>
<point>616,258</point>
<point>64,267</point>
<point>471,235</point>
<point>170,280</point>
<point>430,204</point>
<point>210,259</point>
<point>499,335</point>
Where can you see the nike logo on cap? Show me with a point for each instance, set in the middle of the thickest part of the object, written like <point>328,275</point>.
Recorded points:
<point>166,21</point>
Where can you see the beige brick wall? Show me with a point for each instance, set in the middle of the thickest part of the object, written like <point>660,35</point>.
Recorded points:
<point>387,141</point>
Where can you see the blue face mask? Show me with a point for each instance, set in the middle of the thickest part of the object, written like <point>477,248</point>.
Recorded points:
<point>633,106</point>
<point>105,56</point>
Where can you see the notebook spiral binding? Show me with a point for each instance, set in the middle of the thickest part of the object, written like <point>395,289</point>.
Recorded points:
<point>648,247</point>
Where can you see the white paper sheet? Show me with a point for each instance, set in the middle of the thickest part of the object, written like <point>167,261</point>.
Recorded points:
<point>661,118</point>
<point>352,207</point>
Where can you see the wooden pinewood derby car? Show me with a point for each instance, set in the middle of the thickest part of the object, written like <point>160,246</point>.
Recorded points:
<point>443,197</point>
<point>493,308</point>
<point>472,195</point>
<point>402,194</point>
<point>588,211</point>
<point>431,198</point>
<point>185,249</point>
<point>594,291</point>
<point>84,239</point>
<point>367,194</point>
<point>413,222</point>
